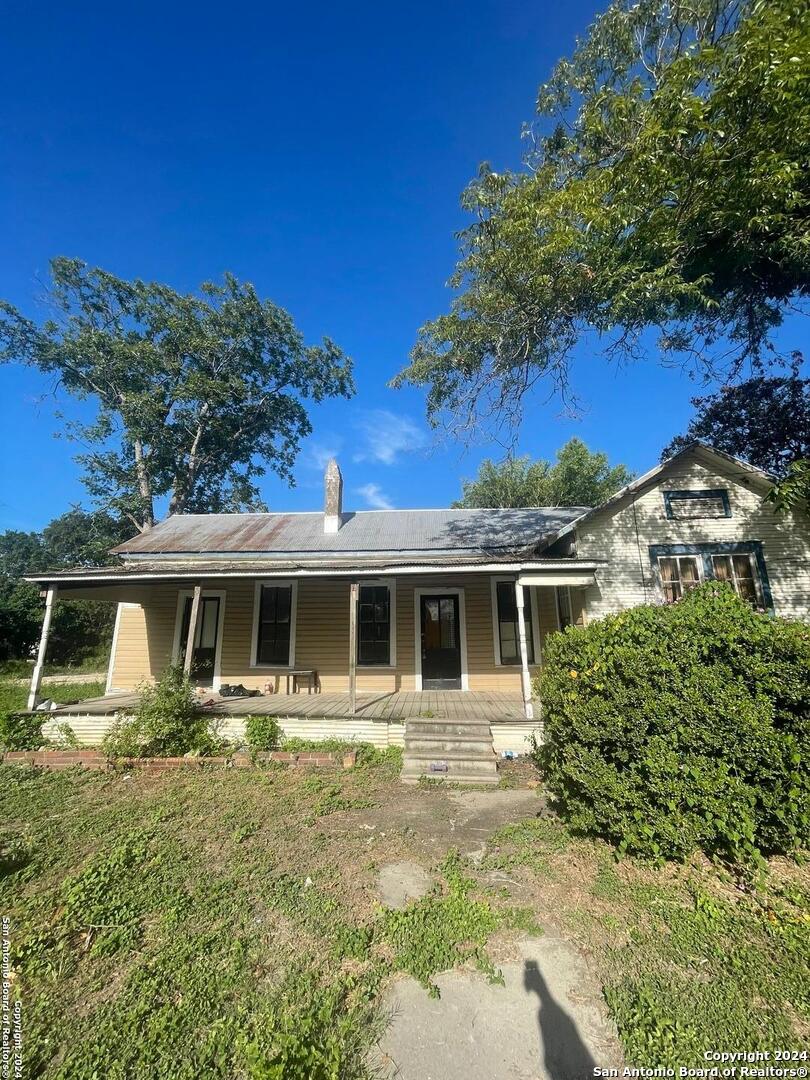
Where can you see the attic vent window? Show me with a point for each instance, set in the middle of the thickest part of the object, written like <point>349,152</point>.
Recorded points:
<point>694,505</point>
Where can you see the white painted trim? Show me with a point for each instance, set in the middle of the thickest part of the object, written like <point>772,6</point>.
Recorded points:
<point>558,579</point>
<point>266,573</point>
<point>440,590</point>
<point>525,676</point>
<point>108,688</point>
<point>254,636</point>
<point>113,647</point>
<point>391,583</point>
<point>496,637</point>
<point>182,596</point>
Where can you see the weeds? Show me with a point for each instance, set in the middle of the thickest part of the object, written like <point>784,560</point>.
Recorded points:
<point>186,927</point>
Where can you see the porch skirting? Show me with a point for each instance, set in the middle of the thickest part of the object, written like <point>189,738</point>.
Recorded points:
<point>513,736</point>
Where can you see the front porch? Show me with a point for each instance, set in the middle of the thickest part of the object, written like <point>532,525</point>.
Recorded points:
<point>495,707</point>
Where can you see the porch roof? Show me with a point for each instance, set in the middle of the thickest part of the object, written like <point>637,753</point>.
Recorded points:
<point>196,569</point>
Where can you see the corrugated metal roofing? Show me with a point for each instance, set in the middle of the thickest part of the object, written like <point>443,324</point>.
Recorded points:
<point>423,531</point>
<point>186,567</point>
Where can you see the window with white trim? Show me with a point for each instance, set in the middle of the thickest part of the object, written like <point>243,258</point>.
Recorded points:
<point>508,634</point>
<point>374,626</point>
<point>679,573</point>
<point>274,626</point>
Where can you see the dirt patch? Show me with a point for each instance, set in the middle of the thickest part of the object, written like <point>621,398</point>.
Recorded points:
<point>432,821</point>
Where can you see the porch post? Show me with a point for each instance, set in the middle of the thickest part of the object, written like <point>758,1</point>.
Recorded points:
<point>192,629</point>
<point>525,678</point>
<point>36,677</point>
<point>354,592</point>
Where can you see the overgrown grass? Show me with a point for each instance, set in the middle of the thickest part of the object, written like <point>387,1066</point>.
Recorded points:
<point>690,958</point>
<point>213,925</point>
<point>91,665</point>
<point>14,698</point>
<point>21,735</point>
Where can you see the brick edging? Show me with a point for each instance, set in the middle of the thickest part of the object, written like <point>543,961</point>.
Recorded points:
<point>95,759</point>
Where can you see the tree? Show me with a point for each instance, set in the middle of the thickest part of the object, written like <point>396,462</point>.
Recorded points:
<point>80,627</point>
<point>765,421</point>
<point>197,394</point>
<point>577,478</point>
<point>665,187</point>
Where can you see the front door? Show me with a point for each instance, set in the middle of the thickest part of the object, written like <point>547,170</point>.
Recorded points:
<point>441,643</point>
<point>205,639</point>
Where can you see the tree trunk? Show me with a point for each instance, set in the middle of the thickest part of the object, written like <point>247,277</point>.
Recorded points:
<point>144,487</point>
<point>185,485</point>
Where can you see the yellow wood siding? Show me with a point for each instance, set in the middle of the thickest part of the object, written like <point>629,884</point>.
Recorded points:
<point>146,635</point>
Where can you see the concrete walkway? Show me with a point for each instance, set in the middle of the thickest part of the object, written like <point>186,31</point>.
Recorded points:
<point>547,1023</point>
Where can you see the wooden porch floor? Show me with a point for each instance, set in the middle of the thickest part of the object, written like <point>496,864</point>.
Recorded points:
<point>495,706</point>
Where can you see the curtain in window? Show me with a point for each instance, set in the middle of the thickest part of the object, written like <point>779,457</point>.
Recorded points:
<point>737,571</point>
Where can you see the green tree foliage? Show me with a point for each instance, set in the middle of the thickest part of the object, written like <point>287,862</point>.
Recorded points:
<point>81,627</point>
<point>682,726</point>
<point>197,394</point>
<point>577,478</point>
<point>792,492</point>
<point>666,187</point>
<point>765,421</point>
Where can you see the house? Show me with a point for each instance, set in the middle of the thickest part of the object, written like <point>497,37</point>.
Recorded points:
<point>383,617</point>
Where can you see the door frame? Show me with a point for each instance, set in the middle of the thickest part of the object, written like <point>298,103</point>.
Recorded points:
<point>182,596</point>
<point>440,590</point>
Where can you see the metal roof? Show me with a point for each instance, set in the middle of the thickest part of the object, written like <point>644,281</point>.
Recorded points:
<point>414,531</point>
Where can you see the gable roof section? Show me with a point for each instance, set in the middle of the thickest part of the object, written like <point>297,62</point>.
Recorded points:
<point>705,454</point>
<point>416,532</point>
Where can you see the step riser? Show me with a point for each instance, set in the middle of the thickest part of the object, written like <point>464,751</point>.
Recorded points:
<point>479,730</point>
<point>477,780</point>
<point>440,746</point>
<point>462,768</point>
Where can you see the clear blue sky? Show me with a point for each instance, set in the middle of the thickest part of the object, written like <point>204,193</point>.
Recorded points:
<point>317,150</point>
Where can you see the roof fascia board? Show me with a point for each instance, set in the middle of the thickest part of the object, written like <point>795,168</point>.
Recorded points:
<point>322,571</point>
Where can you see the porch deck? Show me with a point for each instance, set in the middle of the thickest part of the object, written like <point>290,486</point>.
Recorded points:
<point>494,706</point>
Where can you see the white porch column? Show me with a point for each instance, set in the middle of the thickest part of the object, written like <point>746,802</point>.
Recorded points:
<point>354,593</point>
<point>36,677</point>
<point>525,678</point>
<point>192,629</point>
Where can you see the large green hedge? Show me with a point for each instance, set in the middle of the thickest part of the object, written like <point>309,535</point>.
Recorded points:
<point>681,726</point>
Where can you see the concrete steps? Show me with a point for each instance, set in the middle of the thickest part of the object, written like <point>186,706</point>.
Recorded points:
<point>459,751</point>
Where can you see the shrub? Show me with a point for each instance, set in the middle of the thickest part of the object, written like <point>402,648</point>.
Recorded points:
<point>64,737</point>
<point>681,726</point>
<point>262,732</point>
<point>168,722</point>
<point>21,731</point>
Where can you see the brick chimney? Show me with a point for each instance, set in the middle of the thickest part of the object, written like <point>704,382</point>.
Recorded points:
<point>332,498</point>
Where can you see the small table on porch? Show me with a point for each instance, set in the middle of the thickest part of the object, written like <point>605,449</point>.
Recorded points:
<point>311,676</point>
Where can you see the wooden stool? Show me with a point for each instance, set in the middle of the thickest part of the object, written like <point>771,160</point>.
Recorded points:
<point>298,673</point>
